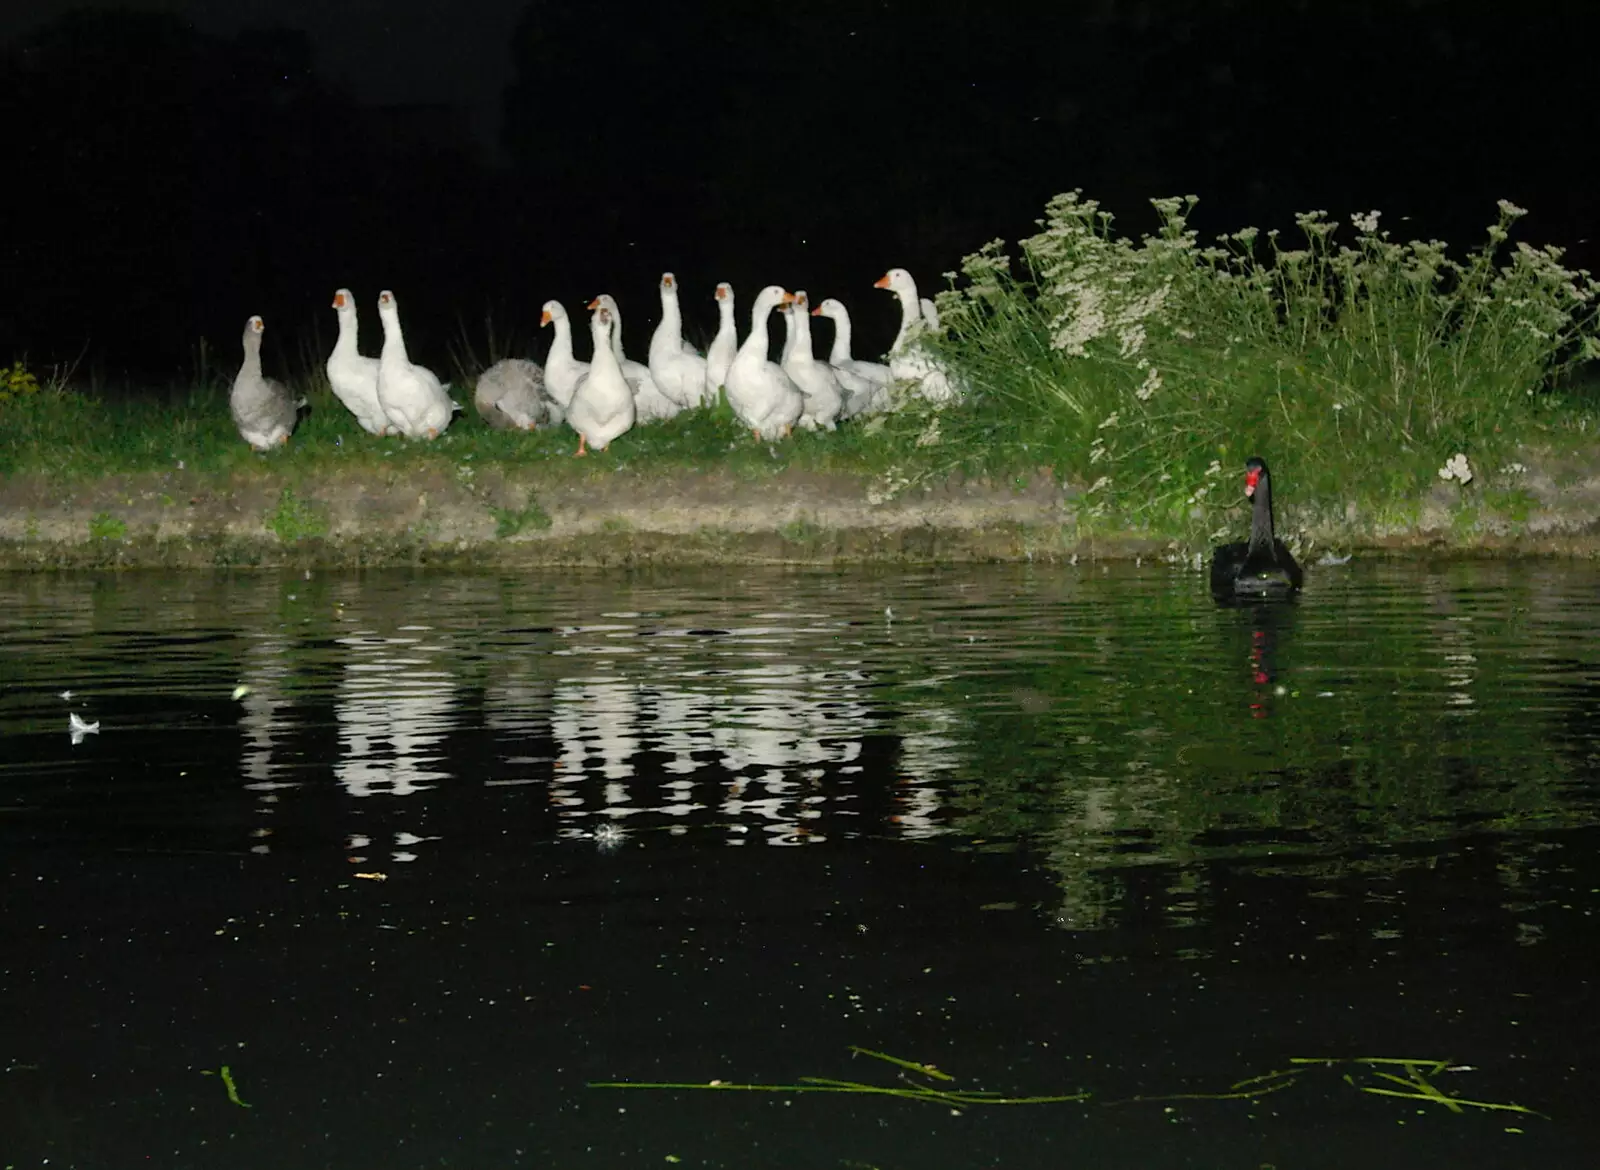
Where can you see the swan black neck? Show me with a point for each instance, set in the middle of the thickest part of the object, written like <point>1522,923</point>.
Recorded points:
<point>1261,530</point>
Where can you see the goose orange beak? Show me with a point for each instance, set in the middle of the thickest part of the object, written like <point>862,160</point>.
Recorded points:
<point>722,293</point>
<point>666,281</point>
<point>817,312</point>
<point>594,304</point>
<point>788,299</point>
<point>338,300</point>
<point>545,318</point>
<point>882,281</point>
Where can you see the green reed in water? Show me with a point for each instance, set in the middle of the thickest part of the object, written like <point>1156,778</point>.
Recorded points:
<point>1415,1083</point>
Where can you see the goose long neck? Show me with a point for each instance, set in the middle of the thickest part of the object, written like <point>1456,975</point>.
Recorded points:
<point>349,340</point>
<point>788,332</point>
<point>616,330</point>
<point>910,312</point>
<point>841,338</point>
<point>604,358</point>
<point>1261,533</point>
<point>671,317</point>
<point>561,345</point>
<point>394,341</point>
<point>756,342</point>
<point>802,331</point>
<point>252,353</point>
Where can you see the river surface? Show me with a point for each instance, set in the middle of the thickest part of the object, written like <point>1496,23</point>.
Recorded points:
<point>936,870</point>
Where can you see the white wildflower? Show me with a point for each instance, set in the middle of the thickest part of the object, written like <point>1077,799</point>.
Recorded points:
<point>1456,468</point>
<point>1103,481</point>
<point>1514,469</point>
<point>930,433</point>
<point>1367,224</point>
<point>1215,469</point>
<point>1510,210</point>
<point>1315,224</point>
<point>1111,420</point>
<point>1152,383</point>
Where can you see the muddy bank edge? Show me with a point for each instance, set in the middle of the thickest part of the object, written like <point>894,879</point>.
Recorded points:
<point>184,519</point>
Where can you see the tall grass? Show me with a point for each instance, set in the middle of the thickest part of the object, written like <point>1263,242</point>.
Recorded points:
<point>1146,369</point>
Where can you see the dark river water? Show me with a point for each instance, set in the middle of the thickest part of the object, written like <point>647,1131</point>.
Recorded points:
<point>964,868</point>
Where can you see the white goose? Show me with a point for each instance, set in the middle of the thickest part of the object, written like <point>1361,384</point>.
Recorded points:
<point>816,380</point>
<point>679,373</point>
<point>907,362</point>
<point>411,396</point>
<point>866,384</point>
<point>724,345</point>
<point>510,395</point>
<point>263,409</point>
<point>650,403</point>
<point>602,406</point>
<point>562,371</point>
<point>760,393</point>
<point>354,378</point>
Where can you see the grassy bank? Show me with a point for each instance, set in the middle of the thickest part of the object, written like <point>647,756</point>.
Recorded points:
<point>1137,374</point>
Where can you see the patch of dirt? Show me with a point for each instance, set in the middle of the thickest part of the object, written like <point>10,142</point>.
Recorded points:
<point>492,517</point>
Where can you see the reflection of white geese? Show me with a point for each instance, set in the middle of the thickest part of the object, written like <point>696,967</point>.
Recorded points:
<point>778,730</point>
<point>595,719</point>
<point>393,710</point>
<point>925,755</point>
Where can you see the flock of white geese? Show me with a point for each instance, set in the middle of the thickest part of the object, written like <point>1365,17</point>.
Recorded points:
<point>609,394</point>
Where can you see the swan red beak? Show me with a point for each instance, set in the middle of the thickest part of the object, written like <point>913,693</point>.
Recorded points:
<point>882,281</point>
<point>1251,478</point>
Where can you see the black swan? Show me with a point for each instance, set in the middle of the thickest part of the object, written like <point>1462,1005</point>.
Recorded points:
<point>1260,567</point>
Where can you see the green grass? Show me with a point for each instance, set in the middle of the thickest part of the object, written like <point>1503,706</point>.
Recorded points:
<point>70,435</point>
<point>1142,371</point>
<point>295,519</point>
<point>105,526</point>
<point>509,522</point>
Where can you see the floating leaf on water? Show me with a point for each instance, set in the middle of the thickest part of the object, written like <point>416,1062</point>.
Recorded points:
<point>78,728</point>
